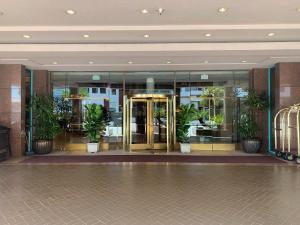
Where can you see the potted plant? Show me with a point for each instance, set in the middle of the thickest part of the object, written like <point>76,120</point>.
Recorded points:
<point>253,103</point>
<point>45,124</point>
<point>218,120</point>
<point>185,115</point>
<point>203,115</point>
<point>94,125</point>
<point>63,110</point>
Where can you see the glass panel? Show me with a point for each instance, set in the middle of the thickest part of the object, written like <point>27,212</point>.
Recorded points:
<point>115,127</point>
<point>139,122</point>
<point>73,91</point>
<point>217,96</point>
<point>149,82</point>
<point>159,122</point>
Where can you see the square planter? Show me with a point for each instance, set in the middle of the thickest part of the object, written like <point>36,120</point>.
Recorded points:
<point>185,147</point>
<point>92,147</point>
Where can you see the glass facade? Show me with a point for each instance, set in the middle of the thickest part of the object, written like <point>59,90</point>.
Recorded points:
<point>147,102</point>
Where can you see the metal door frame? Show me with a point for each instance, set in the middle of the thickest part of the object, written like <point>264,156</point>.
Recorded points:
<point>127,123</point>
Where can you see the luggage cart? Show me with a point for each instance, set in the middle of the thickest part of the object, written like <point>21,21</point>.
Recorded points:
<point>294,113</point>
<point>286,129</point>
<point>279,140</point>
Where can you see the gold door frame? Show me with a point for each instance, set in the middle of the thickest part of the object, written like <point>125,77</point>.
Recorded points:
<point>127,123</point>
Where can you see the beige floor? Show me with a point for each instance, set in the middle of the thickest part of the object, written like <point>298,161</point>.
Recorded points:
<point>142,194</point>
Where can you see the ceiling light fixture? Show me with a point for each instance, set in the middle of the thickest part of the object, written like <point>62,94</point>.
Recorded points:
<point>70,12</point>
<point>27,36</point>
<point>86,35</point>
<point>271,34</point>
<point>169,62</point>
<point>244,61</point>
<point>205,61</point>
<point>146,36</point>
<point>161,11</point>
<point>298,9</point>
<point>144,11</point>
<point>130,62</point>
<point>54,63</point>
<point>207,35</point>
<point>91,62</point>
<point>222,10</point>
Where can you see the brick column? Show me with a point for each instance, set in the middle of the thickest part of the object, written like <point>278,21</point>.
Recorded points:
<point>41,82</point>
<point>12,105</point>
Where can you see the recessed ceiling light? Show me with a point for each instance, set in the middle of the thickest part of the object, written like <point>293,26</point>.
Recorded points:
<point>271,34</point>
<point>91,62</point>
<point>144,11</point>
<point>222,10</point>
<point>205,61</point>
<point>54,63</point>
<point>146,36</point>
<point>70,12</point>
<point>207,35</point>
<point>27,36</point>
<point>86,35</point>
<point>244,61</point>
<point>130,62</point>
<point>298,9</point>
<point>168,62</point>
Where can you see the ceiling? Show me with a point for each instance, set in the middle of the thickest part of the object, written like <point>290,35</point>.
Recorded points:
<point>178,39</point>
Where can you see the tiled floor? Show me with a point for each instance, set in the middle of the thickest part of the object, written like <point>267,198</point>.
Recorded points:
<point>142,194</point>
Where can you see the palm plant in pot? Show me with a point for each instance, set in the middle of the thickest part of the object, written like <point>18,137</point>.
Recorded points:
<point>94,125</point>
<point>185,115</point>
<point>45,124</point>
<point>253,104</point>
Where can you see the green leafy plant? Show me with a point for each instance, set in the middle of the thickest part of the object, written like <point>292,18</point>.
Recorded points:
<point>203,114</point>
<point>248,127</point>
<point>96,119</point>
<point>213,96</point>
<point>63,111</point>
<point>218,119</point>
<point>83,92</point>
<point>253,103</point>
<point>160,113</point>
<point>185,115</point>
<point>45,122</point>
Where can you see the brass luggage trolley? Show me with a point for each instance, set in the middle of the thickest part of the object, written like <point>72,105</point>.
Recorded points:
<point>287,131</point>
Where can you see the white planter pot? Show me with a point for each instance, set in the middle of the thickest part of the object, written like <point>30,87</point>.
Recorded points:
<point>92,147</point>
<point>185,148</point>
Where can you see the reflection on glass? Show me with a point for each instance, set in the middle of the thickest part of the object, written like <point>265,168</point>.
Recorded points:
<point>215,94</point>
<point>139,122</point>
<point>159,122</point>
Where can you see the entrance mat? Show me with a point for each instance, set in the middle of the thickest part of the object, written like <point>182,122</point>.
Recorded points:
<point>150,158</point>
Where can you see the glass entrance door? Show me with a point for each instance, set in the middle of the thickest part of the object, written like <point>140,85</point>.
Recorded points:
<point>147,123</point>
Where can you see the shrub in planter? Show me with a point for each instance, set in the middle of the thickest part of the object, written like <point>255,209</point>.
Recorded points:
<point>185,115</point>
<point>95,122</point>
<point>248,121</point>
<point>45,124</point>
